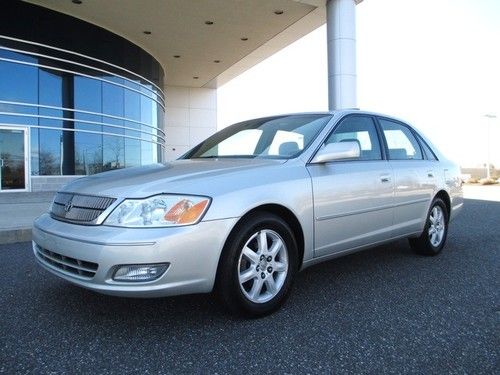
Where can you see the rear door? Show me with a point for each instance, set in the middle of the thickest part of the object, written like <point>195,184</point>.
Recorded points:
<point>353,198</point>
<point>414,177</point>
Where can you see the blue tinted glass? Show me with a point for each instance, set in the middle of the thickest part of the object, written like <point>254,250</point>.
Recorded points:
<point>132,152</point>
<point>18,119</point>
<point>161,117</point>
<point>113,146</point>
<point>112,100</point>
<point>51,123</point>
<point>155,153</point>
<point>136,86</point>
<point>51,117</point>
<point>113,152</point>
<point>88,153</point>
<point>159,154</point>
<point>149,115</point>
<point>17,56</point>
<point>35,152</point>
<point>132,125</point>
<point>50,152</point>
<point>147,110</point>
<point>18,83</point>
<point>51,89</point>
<point>147,153</point>
<point>162,137</point>
<point>88,94</point>
<point>113,126</point>
<point>132,106</point>
<point>56,152</point>
<point>90,122</point>
<point>16,108</point>
<point>114,79</point>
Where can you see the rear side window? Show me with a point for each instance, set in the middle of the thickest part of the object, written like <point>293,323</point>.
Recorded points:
<point>401,142</point>
<point>362,130</point>
<point>429,154</point>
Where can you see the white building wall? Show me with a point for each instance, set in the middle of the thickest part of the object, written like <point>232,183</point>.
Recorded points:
<point>190,117</point>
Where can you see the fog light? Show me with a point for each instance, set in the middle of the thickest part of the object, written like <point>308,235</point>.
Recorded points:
<point>140,272</point>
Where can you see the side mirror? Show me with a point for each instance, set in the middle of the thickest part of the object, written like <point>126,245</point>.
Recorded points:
<point>337,151</point>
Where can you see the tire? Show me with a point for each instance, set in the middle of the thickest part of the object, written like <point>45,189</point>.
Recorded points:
<point>255,275</point>
<point>433,238</point>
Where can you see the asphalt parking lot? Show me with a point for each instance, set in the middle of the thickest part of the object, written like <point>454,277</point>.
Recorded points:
<point>384,310</point>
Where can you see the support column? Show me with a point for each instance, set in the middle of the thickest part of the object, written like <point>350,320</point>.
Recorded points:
<point>341,39</point>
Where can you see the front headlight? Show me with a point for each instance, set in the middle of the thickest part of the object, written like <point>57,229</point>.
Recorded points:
<point>159,211</point>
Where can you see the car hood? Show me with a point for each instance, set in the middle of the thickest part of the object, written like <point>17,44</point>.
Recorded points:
<point>196,176</point>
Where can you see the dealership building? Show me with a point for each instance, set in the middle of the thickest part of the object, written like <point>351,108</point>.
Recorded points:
<point>88,86</point>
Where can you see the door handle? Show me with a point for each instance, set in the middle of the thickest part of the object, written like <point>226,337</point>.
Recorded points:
<point>430,174</point>
<point>385,178</point>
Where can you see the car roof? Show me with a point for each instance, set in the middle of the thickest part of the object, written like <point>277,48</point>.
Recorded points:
<point>339,112</point>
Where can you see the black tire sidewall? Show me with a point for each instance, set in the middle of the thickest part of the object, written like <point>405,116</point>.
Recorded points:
<point>232,294</point>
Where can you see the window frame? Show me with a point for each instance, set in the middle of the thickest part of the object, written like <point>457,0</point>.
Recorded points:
<point>383,153</point>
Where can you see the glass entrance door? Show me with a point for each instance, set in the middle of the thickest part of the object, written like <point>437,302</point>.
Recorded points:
<point>13,159</point>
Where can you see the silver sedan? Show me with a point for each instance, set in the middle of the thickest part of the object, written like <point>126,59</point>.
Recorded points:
<point>245,210</point>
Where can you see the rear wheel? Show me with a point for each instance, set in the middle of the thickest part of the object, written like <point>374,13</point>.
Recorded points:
<point>258,266</point>
<point>433,238</point>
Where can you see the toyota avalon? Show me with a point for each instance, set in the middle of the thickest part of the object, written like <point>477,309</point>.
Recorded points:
<point>245,210</point>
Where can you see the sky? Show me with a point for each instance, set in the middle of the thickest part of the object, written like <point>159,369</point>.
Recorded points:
<point>433,63</point>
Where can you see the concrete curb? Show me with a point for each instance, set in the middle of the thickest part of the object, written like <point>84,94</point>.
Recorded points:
<point>10,236</point>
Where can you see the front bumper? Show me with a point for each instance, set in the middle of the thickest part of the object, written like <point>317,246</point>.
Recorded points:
<point>192,253</point>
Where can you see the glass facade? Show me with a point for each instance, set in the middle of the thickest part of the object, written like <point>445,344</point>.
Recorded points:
<point>85,113</point>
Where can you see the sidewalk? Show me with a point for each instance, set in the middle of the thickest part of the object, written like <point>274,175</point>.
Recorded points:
<point>17,212</point>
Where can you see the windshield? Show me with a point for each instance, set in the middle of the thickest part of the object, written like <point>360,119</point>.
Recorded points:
<point>272,137</point>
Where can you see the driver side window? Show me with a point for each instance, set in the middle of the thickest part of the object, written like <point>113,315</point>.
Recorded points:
<point>358,129</point>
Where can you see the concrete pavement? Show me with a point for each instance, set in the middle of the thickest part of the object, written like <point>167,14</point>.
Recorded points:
<point>380,311</point>
<point>17,212</point>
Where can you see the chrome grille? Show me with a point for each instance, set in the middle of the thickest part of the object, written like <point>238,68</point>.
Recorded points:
<point>74,266</point>
<point>79,208</point>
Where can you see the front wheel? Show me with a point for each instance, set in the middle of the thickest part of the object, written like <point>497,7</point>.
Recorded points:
<point>258,265</point>
<point>433,238</point>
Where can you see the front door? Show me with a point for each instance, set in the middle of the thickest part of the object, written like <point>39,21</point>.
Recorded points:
<point>13,159</point>
<point>353,199</point>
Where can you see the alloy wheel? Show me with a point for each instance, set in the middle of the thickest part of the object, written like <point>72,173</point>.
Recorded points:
<point>263,266</point>
<point>437,226</point>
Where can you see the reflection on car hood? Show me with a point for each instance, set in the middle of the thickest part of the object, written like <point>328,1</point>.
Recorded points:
<point>195,176</point>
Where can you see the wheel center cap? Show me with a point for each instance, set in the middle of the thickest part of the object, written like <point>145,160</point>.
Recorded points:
<point>263,264</point>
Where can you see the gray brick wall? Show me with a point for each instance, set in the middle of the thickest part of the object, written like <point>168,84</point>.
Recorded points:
<point>44,183</point>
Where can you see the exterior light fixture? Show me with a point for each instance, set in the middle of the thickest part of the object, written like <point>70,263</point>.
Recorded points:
<point>140,272</point>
